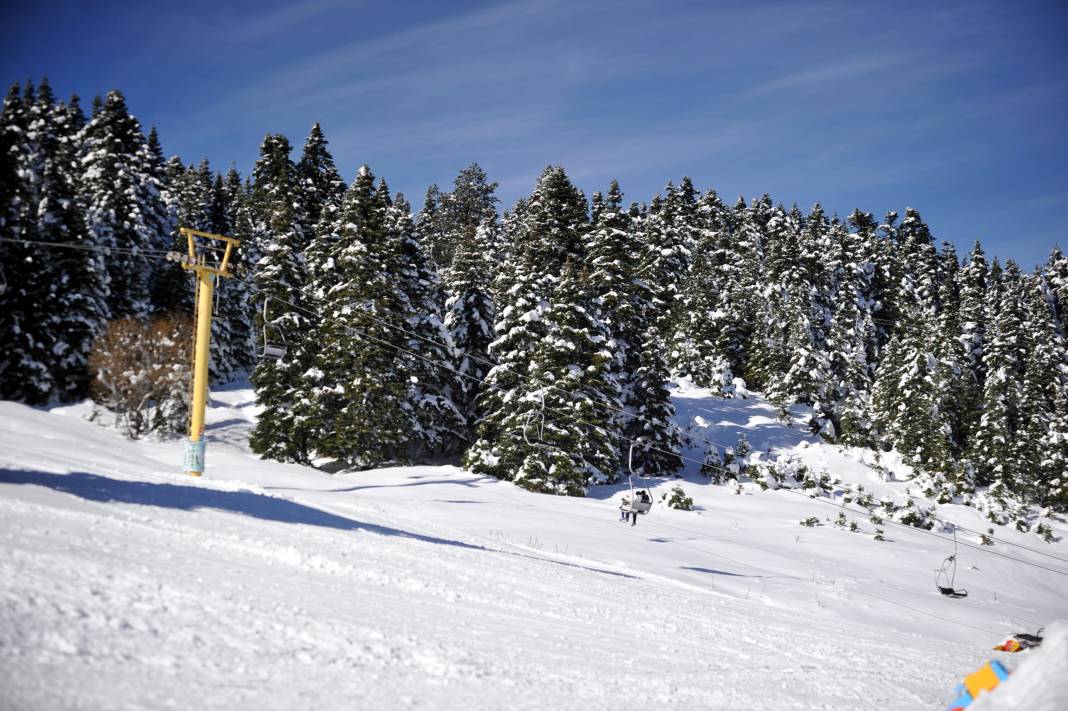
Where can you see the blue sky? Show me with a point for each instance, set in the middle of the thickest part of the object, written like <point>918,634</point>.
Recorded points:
<point>957,109</point>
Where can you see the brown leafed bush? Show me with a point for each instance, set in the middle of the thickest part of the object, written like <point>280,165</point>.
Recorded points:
<point>141,372</point>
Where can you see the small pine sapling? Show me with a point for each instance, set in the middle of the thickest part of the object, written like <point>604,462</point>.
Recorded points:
<point>879,535</point>
<point>864,498</point>
<point>810,522</point>
<point>679,499</point>
<point>713,464</point>
<point>1044,531</point>
<point>917,517</point>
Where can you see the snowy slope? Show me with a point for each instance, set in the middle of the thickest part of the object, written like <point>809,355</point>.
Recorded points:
<point>124,584</point>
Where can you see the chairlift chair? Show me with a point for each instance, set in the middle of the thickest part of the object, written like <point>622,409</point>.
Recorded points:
<point>947,574</point>
<point>528,423</point>
<point>276,350</point>
<point>635,503</point>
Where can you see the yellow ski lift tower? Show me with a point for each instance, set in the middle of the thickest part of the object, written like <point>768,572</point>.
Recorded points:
<point>207,270</point>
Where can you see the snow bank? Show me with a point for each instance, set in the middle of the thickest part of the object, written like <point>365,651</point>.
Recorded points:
<point>1040,683</point>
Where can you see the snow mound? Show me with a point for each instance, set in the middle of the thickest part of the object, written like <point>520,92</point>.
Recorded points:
<point>1040,683</point>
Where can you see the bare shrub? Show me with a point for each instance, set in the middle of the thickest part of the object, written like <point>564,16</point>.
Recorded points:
<point>142,372</point>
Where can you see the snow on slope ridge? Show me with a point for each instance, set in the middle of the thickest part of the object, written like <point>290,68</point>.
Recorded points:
<point>274,586</point>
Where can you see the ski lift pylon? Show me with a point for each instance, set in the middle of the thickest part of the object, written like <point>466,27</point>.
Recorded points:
<point>946,578</point>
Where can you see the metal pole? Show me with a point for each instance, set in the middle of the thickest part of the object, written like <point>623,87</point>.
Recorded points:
<point>194,451</point>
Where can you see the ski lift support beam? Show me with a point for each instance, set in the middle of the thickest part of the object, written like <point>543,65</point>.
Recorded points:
<point>196,261</point>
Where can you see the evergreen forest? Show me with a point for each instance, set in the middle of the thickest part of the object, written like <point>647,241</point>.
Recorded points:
<point>536,343</point>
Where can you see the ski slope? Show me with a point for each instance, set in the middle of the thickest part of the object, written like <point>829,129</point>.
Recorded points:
<point>125,584</point>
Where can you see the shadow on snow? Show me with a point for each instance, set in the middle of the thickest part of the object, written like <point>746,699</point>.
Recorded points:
<point>102,489</point>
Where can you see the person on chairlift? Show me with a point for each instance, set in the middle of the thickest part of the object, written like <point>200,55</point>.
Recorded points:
<point>643,496</point>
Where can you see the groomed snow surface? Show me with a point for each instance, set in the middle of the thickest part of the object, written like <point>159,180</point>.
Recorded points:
<point>125,584</point>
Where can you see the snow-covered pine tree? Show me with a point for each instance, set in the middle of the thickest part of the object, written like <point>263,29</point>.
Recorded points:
<point>75,309</point>
<point>646,398</point>
<point>614,252</point>
<point>747,251</point>
<point>24,371</point>
<point>710,330</point>
<point>851,334</point>
<point>435,383</point>
<point>188,196</point>
<point>321,185</point>
<point>158,213</point>
<point>469,316</point>
<point>807,378</point>
<point>156,162</point>
<point>973,319</point>
<point>1056,273</point>
<point>277,215</point>
<point>470,204</point>
<point>1003,360</point>
<point>959,394</point>
<point>768,354</point>
<point>123,206</point>
<point>357,394</point>
<point>1052,476</point>
<point>669,238</point>
<point>650,428</point>
<point>888,276</point>
<point>231,328</point>
<point>48,320</point>
<point>1044,382</point>
<point>172,287</point>
<point>906,407</point>
<point>429,224</point>
<point>545,232</point>
<point>575,427</point>
<point>233,202</point>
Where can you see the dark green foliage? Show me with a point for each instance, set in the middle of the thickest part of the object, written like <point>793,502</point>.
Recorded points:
<point>992,446</point>
<point>712,327</point>
<point>469,315</point>
<point>449,220</point>
<point>49,316</point>
<point>552,353</point>
<point>275,231</point>
<point>356,395</point>
<point>435,384</point>
<point>123,204</point>
<point>320,184</point>
<point>657,450</point>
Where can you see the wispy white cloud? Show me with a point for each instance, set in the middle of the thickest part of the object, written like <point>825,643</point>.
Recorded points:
<point>285,19</point>
<point>826,76</point>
